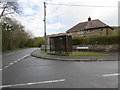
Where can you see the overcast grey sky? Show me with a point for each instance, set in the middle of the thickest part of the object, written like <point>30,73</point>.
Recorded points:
<point>60,18</point>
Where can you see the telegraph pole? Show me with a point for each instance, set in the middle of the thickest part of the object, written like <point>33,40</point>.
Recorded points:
<point>45,26</point>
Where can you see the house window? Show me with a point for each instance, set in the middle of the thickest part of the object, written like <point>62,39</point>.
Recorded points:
<point>70,33</point>
<point>89,31</point>
<point>80,32</point>
<point>101,30</point>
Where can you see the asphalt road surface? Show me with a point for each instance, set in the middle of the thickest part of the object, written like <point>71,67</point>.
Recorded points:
<point>20,70</point>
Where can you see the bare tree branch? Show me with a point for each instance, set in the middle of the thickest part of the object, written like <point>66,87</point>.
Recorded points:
<point>8,13</point>
<point>4,7</point>
<point>9,8</point>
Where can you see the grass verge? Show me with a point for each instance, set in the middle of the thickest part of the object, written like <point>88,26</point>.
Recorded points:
<point>43,52</point>
<point>81,53</point>
<point>88,54</point>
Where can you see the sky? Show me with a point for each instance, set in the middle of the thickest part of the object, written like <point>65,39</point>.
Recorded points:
<point>61,15</point>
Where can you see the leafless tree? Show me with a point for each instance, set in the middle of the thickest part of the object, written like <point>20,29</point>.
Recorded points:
<point>8,8</point>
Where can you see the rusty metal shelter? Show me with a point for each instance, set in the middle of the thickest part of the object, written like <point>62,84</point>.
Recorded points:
<point>61,43</point>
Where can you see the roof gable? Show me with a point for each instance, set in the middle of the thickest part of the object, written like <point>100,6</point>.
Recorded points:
<point>80,26</point>
<point>88,25</point>
<point>95,24</point>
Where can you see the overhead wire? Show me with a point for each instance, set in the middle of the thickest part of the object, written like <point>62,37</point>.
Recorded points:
<point>81,5</point>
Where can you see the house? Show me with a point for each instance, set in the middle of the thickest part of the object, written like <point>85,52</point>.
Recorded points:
<point>90,28</point>
<point>116,30</point>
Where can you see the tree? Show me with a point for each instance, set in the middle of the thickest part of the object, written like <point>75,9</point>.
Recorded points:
<point>8,8</point>
<point>38,41</point>
<point>14,34</point>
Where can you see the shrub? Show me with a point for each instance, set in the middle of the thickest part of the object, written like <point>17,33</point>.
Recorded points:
<point>76,41</point>
<point>97,40</point>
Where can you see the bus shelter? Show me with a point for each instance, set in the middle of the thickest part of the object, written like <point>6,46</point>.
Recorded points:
<point>61,44</point>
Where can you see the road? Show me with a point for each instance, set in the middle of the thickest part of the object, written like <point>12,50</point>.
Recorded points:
<point>25,71</point>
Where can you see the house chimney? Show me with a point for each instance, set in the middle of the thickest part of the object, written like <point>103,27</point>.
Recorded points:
<point>89,19</point>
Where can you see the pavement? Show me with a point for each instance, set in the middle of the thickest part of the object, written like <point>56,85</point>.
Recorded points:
<point>113,57</point>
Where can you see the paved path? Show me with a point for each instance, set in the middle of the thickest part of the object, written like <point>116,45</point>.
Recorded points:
<point>112,57</point>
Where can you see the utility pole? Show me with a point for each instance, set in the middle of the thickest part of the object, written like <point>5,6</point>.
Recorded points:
<point>45,26</point>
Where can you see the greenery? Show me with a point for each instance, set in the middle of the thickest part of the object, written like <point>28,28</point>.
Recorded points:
<point>88,54</point>
<point>81,53</point>
<point>37,41</point>
<point>96,40</point>
<point>15,36</point>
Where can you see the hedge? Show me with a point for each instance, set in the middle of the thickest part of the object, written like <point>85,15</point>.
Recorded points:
<point>97,40</point>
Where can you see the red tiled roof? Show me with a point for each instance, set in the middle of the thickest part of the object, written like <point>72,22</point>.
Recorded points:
<point>88,25</point>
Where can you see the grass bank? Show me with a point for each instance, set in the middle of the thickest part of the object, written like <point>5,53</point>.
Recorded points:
<point>43,52</point>
<point>88,54</point>
<point>81,53</point>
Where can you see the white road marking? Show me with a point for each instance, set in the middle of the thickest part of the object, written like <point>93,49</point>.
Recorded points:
<point>33,83</point>
<point>13,62</point>
<point>114,74</point>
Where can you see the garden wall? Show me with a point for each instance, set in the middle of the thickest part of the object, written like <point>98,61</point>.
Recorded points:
<point>98,48</point>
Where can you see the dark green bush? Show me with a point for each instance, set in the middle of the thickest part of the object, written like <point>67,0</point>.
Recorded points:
<point>97,40</point>
<point>76,41</point>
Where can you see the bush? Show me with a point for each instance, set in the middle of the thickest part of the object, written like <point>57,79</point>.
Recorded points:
<point>76,41</point>
<point>97,40</point>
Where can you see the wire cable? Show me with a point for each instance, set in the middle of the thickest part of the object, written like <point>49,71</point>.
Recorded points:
<point>81,5</point>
